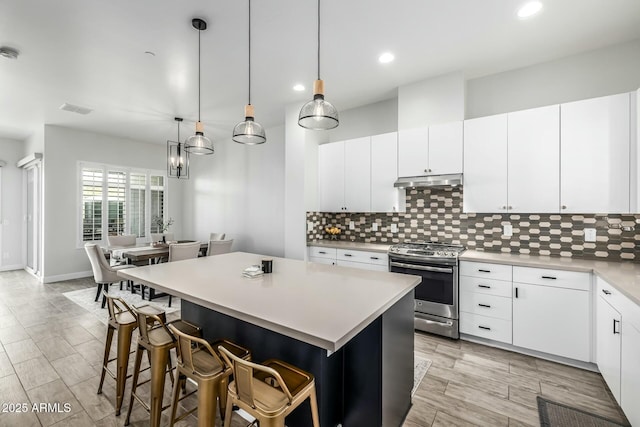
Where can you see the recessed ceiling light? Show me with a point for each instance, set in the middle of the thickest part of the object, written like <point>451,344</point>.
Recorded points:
<point>529,9</point>
<point>9,52</point>
<point>298,87</point>
<point>386,57</point>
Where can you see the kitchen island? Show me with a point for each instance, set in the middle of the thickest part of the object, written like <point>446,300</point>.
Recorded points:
<point>352,329</point>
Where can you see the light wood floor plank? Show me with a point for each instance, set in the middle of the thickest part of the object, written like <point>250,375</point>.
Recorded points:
<point>445,420</point>
<point>526,383</point>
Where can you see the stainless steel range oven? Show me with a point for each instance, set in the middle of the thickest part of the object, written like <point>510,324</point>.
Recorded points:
<point>436,298</point>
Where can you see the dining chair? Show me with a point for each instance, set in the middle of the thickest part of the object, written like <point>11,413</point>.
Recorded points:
<point>182,251</point>
<point>217,247</point>
<point>122,240</point>
<point>216,236</point>
<point>103,273</point>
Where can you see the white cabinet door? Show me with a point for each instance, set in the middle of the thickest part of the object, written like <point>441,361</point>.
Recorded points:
<point>445,148</point>
<point>630,373</point>
<point>331,177</point>
<point>594,173</point>
<point>357,175</point>
<point>384,172</point>
<point>608,345</point>
<point>327,261</point>
<point>552,320</point>
<point>413,149</point>
<point>485,164</point>
<point>534,160</point>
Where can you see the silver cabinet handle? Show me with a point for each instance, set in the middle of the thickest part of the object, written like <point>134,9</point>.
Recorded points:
<point>484,271</point>
<point>322,252</point>
<point>348,255</point>
<point>510,207</point>
<point>485,328</point>
<point>606,292</point>
<point>484,305</point>
<point>374,257</point>
<point>549,277</point>
<point>564,206</point>
<point>504,207</point>
<point>422,267</point>
<point>615,322</point>
<point>484,286</point>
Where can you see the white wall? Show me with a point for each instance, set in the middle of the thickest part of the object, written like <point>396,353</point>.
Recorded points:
<point>606,71</point>
<point>11,228</point>
<point>372,119</point>
<point>435,100</point>
<point>35,142</point>
<point>239,190</point>
<point>64,147</point>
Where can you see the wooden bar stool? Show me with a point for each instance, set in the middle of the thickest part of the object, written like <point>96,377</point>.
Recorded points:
<point>123,321</point>
<point>155,338</point>
<point>268,391</point>
<point>200,361</point>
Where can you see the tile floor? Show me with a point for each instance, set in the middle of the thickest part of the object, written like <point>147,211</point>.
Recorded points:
<point>51,351</point>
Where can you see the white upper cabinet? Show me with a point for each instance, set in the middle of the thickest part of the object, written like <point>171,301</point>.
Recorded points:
<point>445,148</point>
<point>413,152</point>
<point>357,175</point>
<point>485,164</point>
<point>344,176</point>
<point>595,155</point>
<point>534,160</point>
<point>432,150</point>
<point>331,177</point>
<point>384,172</point>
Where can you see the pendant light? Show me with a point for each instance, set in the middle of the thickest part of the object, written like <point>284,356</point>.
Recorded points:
<point>177,158</point>
<point>198,143</point>
<point>318,114</point>
<point>249,131</point>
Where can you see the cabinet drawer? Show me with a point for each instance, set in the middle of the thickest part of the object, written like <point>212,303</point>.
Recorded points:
<point>486,305</point>
<point>485,271</point>
<point>321,252</point>
<point>485,327</point>
<point>318,260</point>
<point>556,278</point>
<point>363,256</point>
<point>362,265</point>
<point>486,286</point>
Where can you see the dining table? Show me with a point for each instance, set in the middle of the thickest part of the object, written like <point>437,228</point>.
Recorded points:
<point>149,253</point>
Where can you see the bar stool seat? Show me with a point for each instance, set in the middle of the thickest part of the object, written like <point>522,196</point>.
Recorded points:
<point>201,362</point>
<point>269,391</point>
<point>155,338</point>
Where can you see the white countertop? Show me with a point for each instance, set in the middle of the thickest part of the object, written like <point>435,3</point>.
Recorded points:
<point>624,276</point>
<point>356,246</point>
<point>323,305</point>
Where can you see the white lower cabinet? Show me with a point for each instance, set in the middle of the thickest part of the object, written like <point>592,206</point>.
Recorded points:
<point>608,348</point>
<point>365,260</point>
<point>552,311</point>
<point>485,301</point>
<point>630,373</point>
<point>618,347</point>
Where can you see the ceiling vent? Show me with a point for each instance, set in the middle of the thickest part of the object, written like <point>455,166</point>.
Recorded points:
<point>75,108</point>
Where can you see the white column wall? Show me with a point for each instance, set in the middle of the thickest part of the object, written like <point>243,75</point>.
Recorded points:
<point>11,227</point>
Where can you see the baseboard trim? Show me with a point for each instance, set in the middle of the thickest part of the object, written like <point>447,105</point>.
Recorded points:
<point>70,276</point>
<point>553,358</point>
<point>12,267</point>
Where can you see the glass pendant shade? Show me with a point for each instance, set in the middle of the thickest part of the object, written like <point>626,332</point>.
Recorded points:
<point>318,114</point>
<point>249,132</point>
<point>198,143</point>
<point>177,160</point>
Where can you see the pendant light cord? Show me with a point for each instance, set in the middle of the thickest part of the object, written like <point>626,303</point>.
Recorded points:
<point>249,52</point>
<point>318,39</point>
<point>199,89</point>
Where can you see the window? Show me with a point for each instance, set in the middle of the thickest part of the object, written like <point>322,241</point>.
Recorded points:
<point>119,200</point>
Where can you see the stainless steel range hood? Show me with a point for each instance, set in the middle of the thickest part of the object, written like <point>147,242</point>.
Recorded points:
<point>450,180</point>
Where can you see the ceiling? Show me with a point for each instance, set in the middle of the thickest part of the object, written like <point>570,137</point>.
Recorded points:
<point>92,53</point>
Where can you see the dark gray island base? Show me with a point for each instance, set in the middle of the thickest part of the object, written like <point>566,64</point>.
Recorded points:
<point>365,383</point>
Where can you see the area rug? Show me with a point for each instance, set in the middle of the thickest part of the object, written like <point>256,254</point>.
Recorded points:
<point>85,299</point>
<point>554,414</point>
<point>420,368</point>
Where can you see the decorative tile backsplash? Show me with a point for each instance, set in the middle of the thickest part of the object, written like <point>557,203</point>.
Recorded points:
<point>436,215</point>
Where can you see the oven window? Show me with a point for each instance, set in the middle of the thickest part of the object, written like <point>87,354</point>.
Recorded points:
<point>435,287</point>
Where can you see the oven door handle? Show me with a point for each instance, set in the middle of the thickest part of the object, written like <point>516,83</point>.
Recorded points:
<point>421,267</point>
